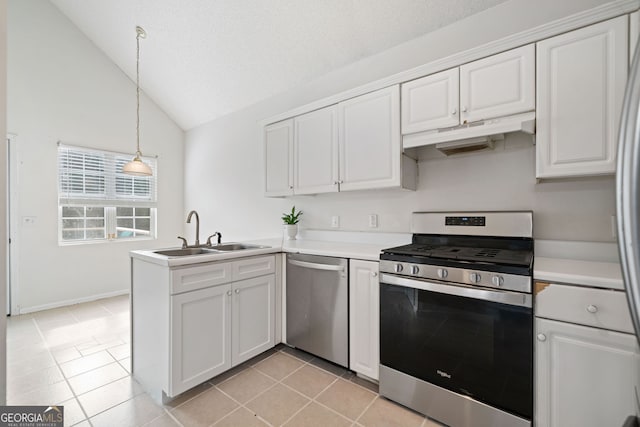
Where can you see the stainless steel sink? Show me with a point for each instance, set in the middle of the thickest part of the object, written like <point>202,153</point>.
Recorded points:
<point>226,247</point>
<point>183,252</point>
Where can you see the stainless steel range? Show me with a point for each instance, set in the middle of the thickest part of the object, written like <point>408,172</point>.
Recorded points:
<point>456,319</point>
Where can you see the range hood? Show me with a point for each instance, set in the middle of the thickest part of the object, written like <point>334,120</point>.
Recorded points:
<point>472,136</point>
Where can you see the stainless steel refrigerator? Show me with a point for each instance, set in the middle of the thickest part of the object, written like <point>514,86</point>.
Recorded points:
<point>628,198</point>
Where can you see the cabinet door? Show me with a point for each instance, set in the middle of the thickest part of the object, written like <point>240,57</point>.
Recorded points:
<point>499,85</point>
<point>585,376</point>
<point>370,146</point>
<point>278,153</point>
<point>581,78</point>
<point>200,339</point>
<point>431,102</point>
<point>316,152</point>
<point>253,325</point>
<point>364,318</point>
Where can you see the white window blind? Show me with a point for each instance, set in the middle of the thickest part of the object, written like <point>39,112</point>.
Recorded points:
<point>97,201</point>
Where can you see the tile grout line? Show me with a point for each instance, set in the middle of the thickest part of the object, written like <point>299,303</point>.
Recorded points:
<point>75,397</point>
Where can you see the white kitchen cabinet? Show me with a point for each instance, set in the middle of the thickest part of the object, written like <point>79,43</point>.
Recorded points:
<point>253,317</point>
<point>364,318</point>
<point>193,322</point>
<point>370,143</point>
<point>316,152</point>
<point>278,152</point>
<point>634,33</point>
<point>585,376</point>
<point>496,86</point>
<point>499,85</point>
<point>581,77</point>
<point>200,336</point>
<point>431,102</point>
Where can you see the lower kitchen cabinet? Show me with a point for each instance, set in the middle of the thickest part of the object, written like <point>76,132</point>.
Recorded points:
<point>200,336</point>
<point>586,377</point>
<point>587,360</point>
<point>364,318</point>
<point>253,318</point>
<point>191,323</point>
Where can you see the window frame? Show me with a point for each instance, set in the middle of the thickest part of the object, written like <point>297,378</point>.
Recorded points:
<point>109,199</point>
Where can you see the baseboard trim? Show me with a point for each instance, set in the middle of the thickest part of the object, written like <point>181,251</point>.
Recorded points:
<point>57,304</point>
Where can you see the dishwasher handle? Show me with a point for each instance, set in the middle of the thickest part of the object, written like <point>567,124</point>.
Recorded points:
<point>316,266</point>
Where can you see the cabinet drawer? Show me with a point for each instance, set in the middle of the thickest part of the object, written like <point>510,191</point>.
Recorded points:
<point>254,267</point>
<point>602,308</point>
<point>192,278</point>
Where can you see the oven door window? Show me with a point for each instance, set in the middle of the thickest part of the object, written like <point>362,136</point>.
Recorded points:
<point>473,347</point>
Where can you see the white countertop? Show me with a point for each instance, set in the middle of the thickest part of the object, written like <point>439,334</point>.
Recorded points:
<point>578,272</point>
<point>363,251</point>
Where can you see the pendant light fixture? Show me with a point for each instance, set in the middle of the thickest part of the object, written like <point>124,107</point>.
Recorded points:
<point>136,166</point>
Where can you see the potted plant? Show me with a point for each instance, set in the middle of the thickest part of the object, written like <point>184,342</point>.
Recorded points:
<point>291,223</point>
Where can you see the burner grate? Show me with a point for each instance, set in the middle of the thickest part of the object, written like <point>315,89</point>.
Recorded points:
<point>487,253</point>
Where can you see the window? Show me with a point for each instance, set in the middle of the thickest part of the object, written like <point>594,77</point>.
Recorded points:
<point>96,201</point>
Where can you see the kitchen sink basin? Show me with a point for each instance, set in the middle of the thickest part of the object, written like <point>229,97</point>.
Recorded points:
<point>226,247</point>
<point>183,252</point>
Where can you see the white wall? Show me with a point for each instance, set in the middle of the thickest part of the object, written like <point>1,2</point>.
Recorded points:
<point>62,88</point>
<point>224,158</point>
<point>3,203</point>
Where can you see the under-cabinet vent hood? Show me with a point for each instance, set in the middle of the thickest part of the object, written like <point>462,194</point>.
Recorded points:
<point>472,136</point>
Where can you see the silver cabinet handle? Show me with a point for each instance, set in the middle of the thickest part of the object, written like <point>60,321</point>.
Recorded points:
<point>237,291</point>
<point>229,293</point>
<point>454,112</point>
<point>464,109</point>
<point>316,266</point>
<point>592,308</point>
<point>374,274</point>
<point>542,337</point>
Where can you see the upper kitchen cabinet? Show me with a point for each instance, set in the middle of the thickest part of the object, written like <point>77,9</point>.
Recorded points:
<point>496,86</point>
<point>278,152</point>
<point>431,102</point>
<point>581,77</point>
<point>352,145</point>
<point>316,152</point>
<point>370,142</point>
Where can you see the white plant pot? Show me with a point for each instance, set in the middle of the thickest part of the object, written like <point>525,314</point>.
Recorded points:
<point>291,230</point>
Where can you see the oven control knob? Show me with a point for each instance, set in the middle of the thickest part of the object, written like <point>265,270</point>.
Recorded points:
<point>497,281</point>
<point>442,273</point>
<point>397,268</point>
<point>415,269</point>
<point>474,277</point>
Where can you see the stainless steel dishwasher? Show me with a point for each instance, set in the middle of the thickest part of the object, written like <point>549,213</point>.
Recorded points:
<point>318,306</point>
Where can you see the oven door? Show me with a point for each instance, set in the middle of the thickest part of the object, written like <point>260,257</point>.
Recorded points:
<point>474,342</point>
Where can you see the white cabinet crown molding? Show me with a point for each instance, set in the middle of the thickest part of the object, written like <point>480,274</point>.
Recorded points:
<point>541,32</point>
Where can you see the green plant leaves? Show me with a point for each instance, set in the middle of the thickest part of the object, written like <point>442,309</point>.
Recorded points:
<point>291,218</point>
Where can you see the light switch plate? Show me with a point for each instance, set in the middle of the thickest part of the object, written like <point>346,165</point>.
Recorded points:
<point>335,221</point>
<point>373,221</point>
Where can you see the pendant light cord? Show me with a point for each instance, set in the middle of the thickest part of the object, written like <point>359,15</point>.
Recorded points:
<point>138,33</point>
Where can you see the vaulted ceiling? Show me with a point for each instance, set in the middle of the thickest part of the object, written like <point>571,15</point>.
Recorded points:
<point>203,59</point>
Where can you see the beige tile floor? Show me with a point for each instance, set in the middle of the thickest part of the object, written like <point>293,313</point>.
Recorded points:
<point>79,356</point>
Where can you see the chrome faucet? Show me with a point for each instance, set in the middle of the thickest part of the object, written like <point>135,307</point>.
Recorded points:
<point>197,225</point>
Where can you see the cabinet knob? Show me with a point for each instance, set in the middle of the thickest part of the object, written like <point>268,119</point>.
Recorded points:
<point>341,182</point>
<point>454,112</point>
<point>592,308</point>
<point>464,109</point>
<point>291,187</point>
<point>542,337</point>
<point>237,291</point>
<point>229,293</point>
<point>374,274</point>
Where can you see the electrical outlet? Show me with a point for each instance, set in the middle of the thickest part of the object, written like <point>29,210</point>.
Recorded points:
<point>373,221</point>
<point>335,221</point>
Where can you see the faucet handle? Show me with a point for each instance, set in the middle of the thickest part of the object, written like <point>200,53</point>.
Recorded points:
<point>184,242</point>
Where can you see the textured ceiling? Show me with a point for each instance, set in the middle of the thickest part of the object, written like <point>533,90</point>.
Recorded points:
<point>206,58</point>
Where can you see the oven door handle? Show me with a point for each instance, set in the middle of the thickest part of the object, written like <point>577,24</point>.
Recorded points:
<point>502,297</point>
